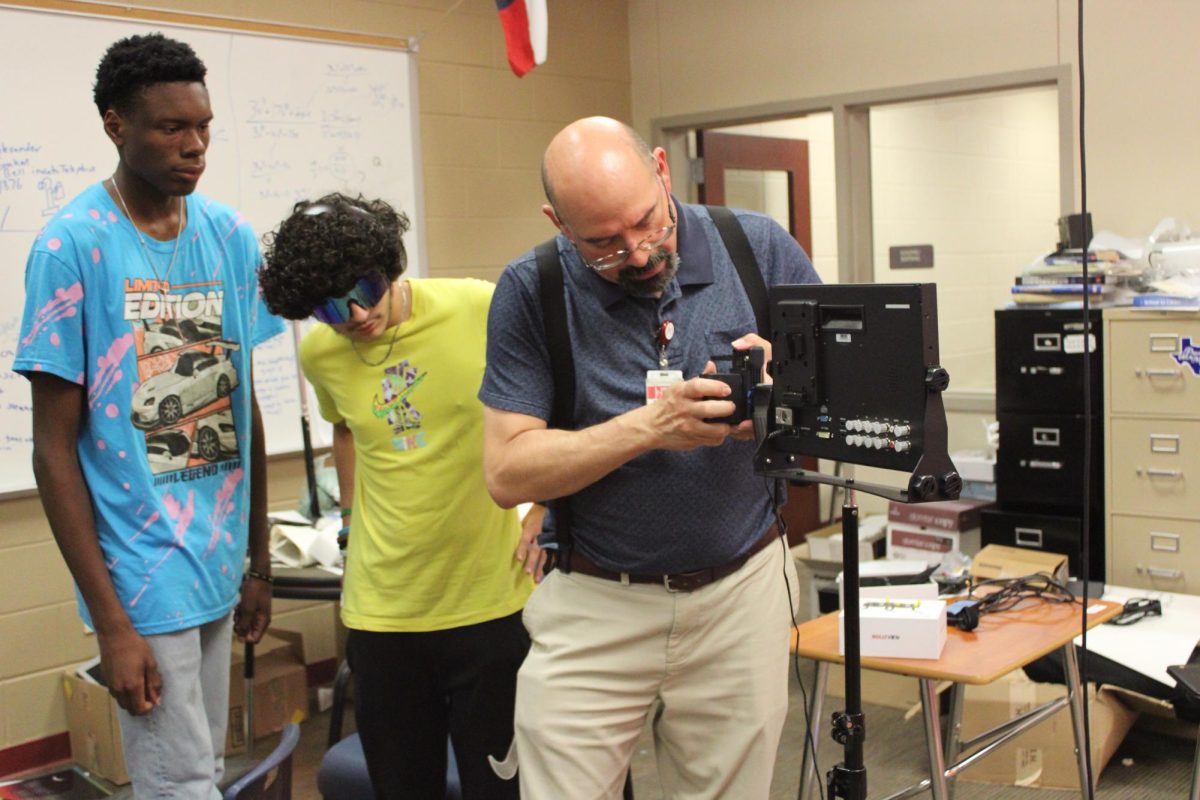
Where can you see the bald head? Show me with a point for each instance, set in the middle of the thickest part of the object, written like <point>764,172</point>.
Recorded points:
<point>592,164</point>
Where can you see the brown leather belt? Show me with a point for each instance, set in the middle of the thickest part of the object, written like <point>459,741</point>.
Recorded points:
<point>679,582</point>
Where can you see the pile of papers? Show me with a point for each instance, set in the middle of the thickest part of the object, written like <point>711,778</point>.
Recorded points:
<point>1059,278</point>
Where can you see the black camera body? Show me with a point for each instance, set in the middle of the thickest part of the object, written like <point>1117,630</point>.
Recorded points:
<point>744,374</point>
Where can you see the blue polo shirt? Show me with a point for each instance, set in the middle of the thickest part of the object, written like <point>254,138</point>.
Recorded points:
<point>664,511</point>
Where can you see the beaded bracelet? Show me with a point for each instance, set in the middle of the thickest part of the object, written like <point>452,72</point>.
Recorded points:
<point>250,573</point>
<point>346,512</point>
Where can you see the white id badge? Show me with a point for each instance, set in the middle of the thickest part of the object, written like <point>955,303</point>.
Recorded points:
<point>657,381</point>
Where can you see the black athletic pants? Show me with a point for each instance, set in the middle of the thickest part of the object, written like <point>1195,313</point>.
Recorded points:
<point>412,689</point>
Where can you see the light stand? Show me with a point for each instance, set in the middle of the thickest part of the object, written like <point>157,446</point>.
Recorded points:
<point>856,380</point>
<point>849,728</point>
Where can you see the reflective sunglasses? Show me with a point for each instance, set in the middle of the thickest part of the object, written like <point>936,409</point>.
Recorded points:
<point>365,294</point>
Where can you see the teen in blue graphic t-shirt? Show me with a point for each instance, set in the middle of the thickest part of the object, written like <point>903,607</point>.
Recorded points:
<point>141,312</point>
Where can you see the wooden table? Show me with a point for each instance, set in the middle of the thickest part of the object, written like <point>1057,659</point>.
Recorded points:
<point>1003,642</point>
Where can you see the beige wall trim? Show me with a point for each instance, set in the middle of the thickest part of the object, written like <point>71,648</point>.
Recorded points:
<point>148,14</point>
<point>852,168</point>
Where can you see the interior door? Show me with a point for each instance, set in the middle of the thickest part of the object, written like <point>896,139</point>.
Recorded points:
<point>770,175</point>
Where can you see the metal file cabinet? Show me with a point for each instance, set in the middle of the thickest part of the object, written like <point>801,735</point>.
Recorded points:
<point>1039,405</point>
<point>1152,452</point>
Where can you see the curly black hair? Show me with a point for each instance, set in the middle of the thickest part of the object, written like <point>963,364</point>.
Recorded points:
<point>137,62</point>
<point>325,246</point>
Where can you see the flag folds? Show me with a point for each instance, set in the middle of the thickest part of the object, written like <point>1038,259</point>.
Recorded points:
<point>525,25</point>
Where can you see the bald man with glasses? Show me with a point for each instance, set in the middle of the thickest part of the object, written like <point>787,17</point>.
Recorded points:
<point>668,596</point>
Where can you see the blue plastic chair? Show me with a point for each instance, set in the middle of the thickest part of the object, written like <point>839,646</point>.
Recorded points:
<point>271,778</point>
<point>343,771</point>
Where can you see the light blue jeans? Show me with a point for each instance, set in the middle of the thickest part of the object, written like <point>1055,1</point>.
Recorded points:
<point>178,749</point>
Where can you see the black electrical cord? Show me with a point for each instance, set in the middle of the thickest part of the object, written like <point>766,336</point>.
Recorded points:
<point>1084,559</point>
<point>776,506</point>
<point>1014,592</point>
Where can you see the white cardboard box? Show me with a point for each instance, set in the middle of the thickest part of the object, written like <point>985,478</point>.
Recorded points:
<point>928,544</point>
<point>898,628</point>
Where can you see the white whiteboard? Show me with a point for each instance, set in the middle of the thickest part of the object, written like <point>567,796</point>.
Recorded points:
<point>293,119</point>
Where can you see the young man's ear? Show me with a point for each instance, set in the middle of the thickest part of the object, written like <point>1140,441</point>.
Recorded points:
<point>114,127</point>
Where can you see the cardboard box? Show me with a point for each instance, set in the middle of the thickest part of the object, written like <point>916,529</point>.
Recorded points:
<point>93,729</point>
<point>1043,756</point>
<point>280,697</point>
<point>898,629</point>
<point>825,545</point>
<point>280,687</point>
<point>929,544</point>
<point>1001,561</point>
<point>947,515</point>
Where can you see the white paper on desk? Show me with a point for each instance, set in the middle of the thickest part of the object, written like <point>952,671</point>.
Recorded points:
<point>1154,643</point>
<point>305,545</point>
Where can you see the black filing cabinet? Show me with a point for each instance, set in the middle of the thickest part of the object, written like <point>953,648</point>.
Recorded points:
<point>1040,461</point>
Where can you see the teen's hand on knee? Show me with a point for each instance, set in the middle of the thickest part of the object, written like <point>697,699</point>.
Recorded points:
<point>130,670</point>
<point>252,615</point>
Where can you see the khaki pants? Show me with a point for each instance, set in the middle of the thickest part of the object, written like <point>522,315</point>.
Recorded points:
<point>712,663</point>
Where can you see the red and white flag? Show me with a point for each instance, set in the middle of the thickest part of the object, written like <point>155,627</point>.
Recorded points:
<point>524,24</point>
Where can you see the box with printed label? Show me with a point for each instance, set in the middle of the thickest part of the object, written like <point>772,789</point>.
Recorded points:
<point>946,515</point>
<point>898,628</point>
<point>929,544</point>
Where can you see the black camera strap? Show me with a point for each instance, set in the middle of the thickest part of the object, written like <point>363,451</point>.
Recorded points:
<point>734,237</point>
<point>562,363</point>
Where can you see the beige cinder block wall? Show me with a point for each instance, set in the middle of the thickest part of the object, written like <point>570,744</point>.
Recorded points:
<point>1140,64</point>
<point>483,132</point>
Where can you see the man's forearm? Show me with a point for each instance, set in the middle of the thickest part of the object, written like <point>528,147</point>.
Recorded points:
<point>546,463</point>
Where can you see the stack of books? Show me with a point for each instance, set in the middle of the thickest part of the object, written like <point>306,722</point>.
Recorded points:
<point>1059,278</point>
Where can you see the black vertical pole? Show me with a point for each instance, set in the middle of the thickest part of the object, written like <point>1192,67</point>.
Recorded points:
<point>849,779</point>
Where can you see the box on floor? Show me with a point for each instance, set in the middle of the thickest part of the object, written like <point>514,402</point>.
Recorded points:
<point>280,697</point>
<point>1043,756</point>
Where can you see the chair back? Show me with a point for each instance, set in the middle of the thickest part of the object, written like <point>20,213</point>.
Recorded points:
<point>271,778</point>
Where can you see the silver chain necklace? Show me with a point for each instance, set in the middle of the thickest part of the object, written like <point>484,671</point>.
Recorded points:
<point>145,249</point>
<point>387,322</point>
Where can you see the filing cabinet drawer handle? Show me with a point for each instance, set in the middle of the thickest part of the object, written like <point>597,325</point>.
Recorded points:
<point>1028,537</point>
<point>1159,572</point>
<point>1164,443</point>
<point>1159,373</point>
<point>1164,542</point>
<point>1175,474</point>
<point>1164,342</point>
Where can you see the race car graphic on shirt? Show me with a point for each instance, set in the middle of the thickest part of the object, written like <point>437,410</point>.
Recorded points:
<point>186,375</point>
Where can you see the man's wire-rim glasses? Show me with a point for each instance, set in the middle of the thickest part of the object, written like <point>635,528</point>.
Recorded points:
<point>648,244</point>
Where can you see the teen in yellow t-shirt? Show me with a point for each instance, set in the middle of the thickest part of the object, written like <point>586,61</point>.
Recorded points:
<point>432,592</point>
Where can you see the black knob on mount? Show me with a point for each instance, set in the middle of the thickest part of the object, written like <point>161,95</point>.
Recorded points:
<point>922,487</point>
<point>937,379</point>
<point>951,485</point>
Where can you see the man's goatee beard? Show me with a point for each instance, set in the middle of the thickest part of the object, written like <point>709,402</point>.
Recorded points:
<point>651,287</point>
